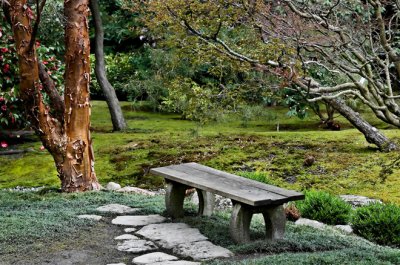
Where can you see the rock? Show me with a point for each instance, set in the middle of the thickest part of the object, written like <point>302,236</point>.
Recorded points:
<point>130,230</point>
<point>90,217</point>
<point>116,208</point>
<point>195,198</point>
<point>203,250</point>
<point>136,190</point>
<point>357,201</point>
<point>116,264</point>
<point>136,246</point>
<point>308,222</point>
<point>171,234</point>
<point>126,237</point>
<point>153,258</point>
<point>138,220</point>
<point>221,203</point>
<point>113,186</point>
<point>345,228</point>
<point>179,262</point>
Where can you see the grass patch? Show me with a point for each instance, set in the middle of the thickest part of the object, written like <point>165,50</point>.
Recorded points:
<point>345,162</point>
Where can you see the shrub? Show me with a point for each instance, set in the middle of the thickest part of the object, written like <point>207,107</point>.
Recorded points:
<point>324,207</point>
<point>379,223</point>
<point>11,108</point>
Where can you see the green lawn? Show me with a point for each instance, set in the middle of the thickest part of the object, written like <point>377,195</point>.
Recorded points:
<point>345,162</point>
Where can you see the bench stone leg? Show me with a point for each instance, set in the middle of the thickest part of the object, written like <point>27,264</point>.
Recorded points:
<point>275,222</point>
<point>174,197</point>
<point>240,223</point>
<point>206,202</point>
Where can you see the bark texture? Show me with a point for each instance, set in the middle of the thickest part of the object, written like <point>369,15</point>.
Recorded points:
<point>117,117</point>
<point>63,127</point>
<point>78,166</point>
<point>372,135</point>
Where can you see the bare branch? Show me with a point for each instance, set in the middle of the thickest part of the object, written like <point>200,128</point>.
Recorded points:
<point>39,10</point>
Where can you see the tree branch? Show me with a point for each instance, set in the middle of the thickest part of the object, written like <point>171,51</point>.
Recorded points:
<point>39,10</point>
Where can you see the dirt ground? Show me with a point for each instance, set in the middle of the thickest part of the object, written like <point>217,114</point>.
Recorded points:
<point>94,247</point>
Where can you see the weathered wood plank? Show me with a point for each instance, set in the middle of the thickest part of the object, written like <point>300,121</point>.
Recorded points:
<point>214,179</point>
<point>250,197</point>
<point>250,182</point>
<point>228,185</point>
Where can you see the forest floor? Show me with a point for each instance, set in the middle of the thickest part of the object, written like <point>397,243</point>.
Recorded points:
<point>39,228</point>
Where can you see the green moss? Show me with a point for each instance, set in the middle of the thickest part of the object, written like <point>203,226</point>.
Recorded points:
<point>345,162</point>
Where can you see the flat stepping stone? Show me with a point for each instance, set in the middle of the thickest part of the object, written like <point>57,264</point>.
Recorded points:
<point>130,230</point>
<point>136,246</point>
<point>138,220</point>
<point>179,262</point>
<point>116,208</point>
<point>169,235</point>
<point>153,258</point>
<point>90,217</point>
<point>203,250</point>
<point>126,237</point>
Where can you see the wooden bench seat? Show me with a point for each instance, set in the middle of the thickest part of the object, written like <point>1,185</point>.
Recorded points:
<point>248,197</point>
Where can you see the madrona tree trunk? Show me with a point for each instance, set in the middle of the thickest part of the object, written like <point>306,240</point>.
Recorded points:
<point>372,135</point>
<point>78,164</point>
<point>117,117</point>
<point>63,126</point>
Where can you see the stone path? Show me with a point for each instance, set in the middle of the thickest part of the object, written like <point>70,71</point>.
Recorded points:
<point>155,241</point>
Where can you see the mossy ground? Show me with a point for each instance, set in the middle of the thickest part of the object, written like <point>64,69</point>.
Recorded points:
<point>345,162</point>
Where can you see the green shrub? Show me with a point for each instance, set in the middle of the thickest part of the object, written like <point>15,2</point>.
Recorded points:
<point>324,207</point>
<point>379,223</point>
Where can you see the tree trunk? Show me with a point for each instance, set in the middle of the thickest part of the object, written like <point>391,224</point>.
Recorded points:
<point>78,164</point>
<point>372,135</point>
<point>117,117</point>
<point>63,127</point>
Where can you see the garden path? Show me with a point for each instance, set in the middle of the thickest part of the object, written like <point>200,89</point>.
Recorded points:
<point>155,240</point>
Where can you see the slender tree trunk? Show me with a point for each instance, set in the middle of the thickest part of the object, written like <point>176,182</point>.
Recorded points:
<point>117,117</point>
<point>63,126</point>
<point>372,135</point>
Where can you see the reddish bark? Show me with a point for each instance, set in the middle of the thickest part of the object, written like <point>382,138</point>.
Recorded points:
<point>66,136</point>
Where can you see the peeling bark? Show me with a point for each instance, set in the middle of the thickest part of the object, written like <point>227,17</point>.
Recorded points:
<point>63,127</point>
<point>78,166</point>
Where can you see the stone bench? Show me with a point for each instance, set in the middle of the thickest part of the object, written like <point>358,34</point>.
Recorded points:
<point>248,197</point>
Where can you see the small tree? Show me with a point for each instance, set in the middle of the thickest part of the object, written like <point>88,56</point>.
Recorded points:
<point>287,38</point>
<point>61,123</point>
<point>117,117</point>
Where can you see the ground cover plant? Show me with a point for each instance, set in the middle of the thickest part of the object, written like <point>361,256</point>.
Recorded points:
<point>40,227</point>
